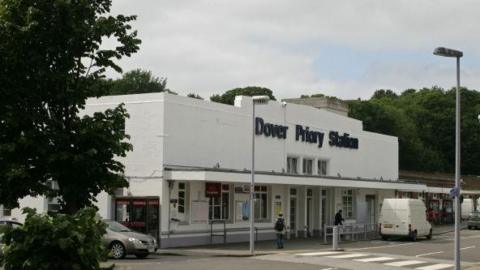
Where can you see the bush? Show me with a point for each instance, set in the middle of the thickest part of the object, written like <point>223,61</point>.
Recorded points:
<point>56,242</point>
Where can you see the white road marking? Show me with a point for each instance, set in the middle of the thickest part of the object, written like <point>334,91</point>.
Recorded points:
<point>319,253</point>
<point>385,246</point>
<point>348,256</point>
<point>375,259</point>
<point>431,253</point>
<point>467,247</point>
<point>403,263</point>
<point>435,266</point>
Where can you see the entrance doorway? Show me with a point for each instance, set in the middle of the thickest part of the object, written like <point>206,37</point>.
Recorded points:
<point>141,214</point>
<point>323,221</point>
<point>371,209</point>
<point>293,212</point>
<point>309,213</point>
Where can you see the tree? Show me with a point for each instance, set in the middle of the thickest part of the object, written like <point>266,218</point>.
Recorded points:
<point>136,82</point>
<point>192,95</point>
<point>424,122</point>
<point>65,242</point>
<point>229,96</point>
<point>52,59</point>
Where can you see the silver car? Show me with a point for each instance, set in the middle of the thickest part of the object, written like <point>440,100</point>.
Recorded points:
<point>122,241</point>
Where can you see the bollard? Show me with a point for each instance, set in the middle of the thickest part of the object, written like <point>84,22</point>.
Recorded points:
<point>335,238</point>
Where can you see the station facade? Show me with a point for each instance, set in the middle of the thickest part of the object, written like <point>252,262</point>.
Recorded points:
<point>189,172</point>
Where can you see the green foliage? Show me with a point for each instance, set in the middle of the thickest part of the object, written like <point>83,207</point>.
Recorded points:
<point>192,95</point>
<point>136,82</point>
<point>56,242</point>
<point>329,98</point>
<point>424,122</point>
<point>229,96</point>
<point>52,59</point>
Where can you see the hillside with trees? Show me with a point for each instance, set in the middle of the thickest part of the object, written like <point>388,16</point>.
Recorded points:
<point>424,122</point>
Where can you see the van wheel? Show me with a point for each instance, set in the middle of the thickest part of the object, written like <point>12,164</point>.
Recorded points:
<point>470,227</point>
<point>413,236</point>
<point>384,237</point>
<point>429,236</point>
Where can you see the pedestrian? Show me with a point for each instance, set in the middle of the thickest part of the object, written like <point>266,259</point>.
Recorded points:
<point>338,218</point>
<point>279,229</point>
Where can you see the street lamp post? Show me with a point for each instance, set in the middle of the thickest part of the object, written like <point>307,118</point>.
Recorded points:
<point>440,51</point>
<point>255,100</point>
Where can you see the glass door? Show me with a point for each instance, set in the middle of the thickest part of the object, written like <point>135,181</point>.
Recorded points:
<point>141,214</point>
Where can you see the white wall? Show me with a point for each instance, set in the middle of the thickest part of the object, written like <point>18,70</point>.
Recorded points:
<point>202,134</point>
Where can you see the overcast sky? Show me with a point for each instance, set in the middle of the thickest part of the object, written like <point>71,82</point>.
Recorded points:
<point>341,48</point>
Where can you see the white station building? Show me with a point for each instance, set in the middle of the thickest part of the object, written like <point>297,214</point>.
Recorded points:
<point>189,172</point>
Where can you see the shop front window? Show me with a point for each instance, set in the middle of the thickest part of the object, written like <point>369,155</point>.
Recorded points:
<point>261,203</point>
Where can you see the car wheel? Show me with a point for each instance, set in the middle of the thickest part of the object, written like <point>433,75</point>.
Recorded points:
<point>469,227</point>
<point>384,237</point>
<point>429,236</point>
<point>413,236</point>
<point>117,250</point>
<point>141,255</point>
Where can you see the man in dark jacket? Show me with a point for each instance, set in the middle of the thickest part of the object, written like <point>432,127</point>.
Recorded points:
<point>279,229</point>
<point>338,218</point>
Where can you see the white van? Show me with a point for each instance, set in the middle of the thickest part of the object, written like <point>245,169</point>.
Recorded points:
<point>404,217</point>
<point>467,208</point>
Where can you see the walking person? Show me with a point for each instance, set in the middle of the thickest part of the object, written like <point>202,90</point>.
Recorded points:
<point>279,229</point>
<point>338,218</point>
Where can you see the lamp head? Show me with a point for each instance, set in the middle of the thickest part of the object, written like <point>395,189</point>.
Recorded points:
<point>442,51</point>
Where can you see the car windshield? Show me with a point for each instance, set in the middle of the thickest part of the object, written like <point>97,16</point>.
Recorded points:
<point>116,227</point>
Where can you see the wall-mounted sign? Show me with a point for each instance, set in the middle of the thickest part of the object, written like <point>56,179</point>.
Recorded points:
<point>213,189</point>
<point>304,134</point>
<point>342,140</point>
<point>270,130</point>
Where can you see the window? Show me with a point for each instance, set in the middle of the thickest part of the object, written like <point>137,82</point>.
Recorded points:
<point>322,167</point>
<point>182,191</point>
<point>307,166</point>
<point>219,206</point>
<point>347,203</point>
<point>292,165</point>
<point>53,204</point>
<point>6,212</point>
<point>261,203</point>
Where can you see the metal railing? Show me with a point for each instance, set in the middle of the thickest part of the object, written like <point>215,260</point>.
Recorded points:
<point>214,233</point>
<point>351,232</point>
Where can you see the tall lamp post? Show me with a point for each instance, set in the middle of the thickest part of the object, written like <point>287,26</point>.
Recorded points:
<point>440,51</point>
<point>255,100</point>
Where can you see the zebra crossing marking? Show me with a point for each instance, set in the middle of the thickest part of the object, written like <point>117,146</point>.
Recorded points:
<point>319,253</point>
<point>396,262</point>
<point>404,263</point>
<point>348,256</point>
<point>435,266</point>
<point>375,259</point>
